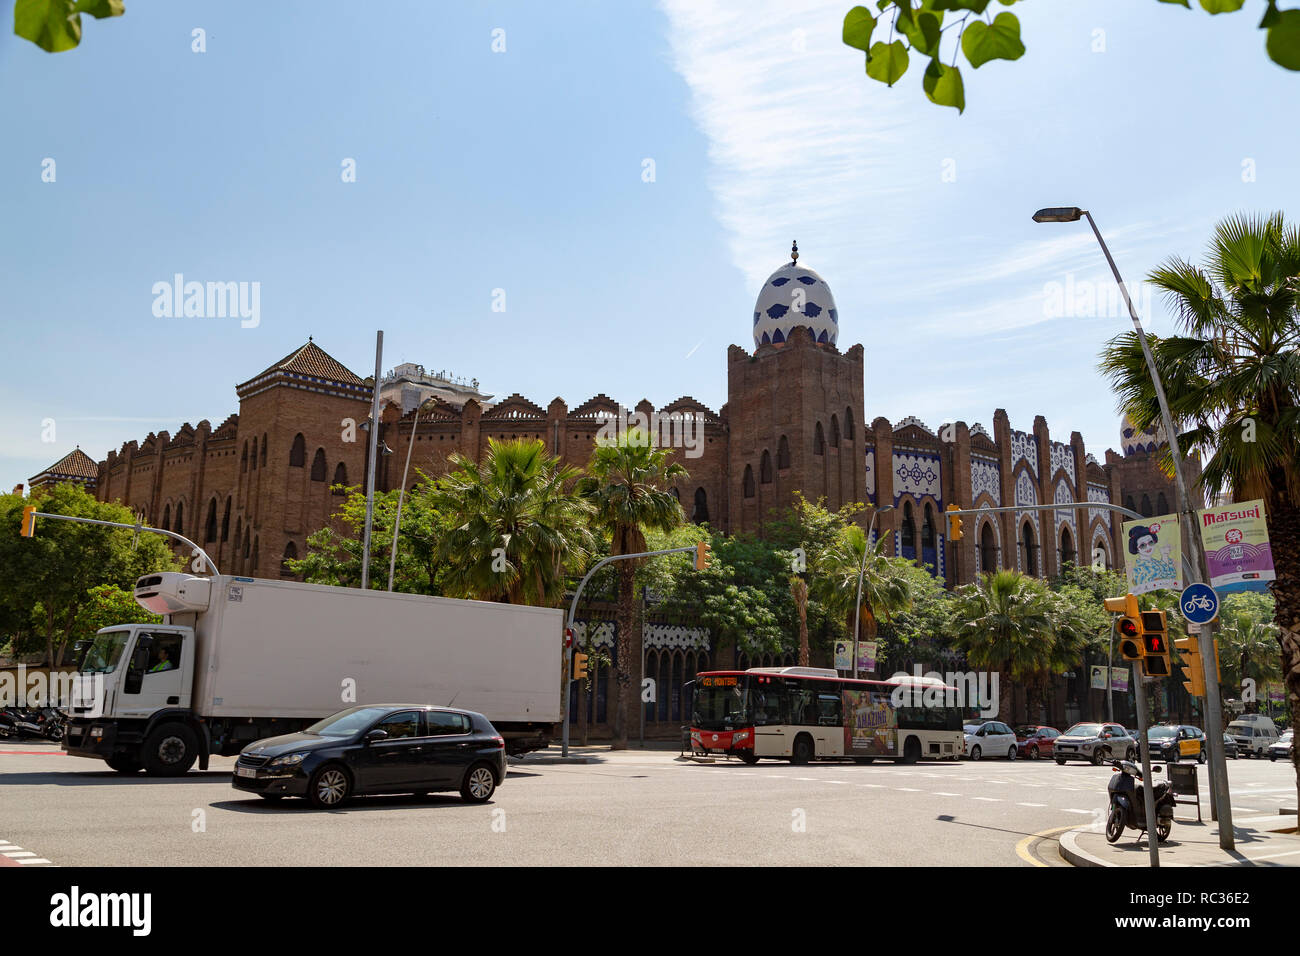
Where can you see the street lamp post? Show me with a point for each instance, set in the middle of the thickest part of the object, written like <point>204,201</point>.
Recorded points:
<point>857,608</point>
<point>1187,515</point>
<point>401,493</point>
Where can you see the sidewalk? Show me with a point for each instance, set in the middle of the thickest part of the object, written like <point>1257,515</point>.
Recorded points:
<point>1260,841</point>
<point>594,753</point>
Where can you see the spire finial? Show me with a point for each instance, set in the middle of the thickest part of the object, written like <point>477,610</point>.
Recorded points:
<point>794,251</point>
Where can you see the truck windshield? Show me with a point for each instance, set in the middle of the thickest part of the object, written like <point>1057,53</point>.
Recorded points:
<point>104,652</point>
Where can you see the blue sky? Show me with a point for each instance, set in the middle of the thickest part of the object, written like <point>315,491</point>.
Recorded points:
<point>522,171</point>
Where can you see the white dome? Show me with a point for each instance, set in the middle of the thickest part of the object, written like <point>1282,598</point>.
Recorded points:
<point>791,296</point>
<point>1140,442</point>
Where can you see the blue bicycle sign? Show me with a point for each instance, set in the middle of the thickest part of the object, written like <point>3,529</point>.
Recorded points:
<point>1199,603</point>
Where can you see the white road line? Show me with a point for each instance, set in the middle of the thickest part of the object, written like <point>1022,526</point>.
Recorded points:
<point>909,790</point>
<point>15,854</point>
<point>874,786</point>
<point>1031,804</point>
<point>989,799</point>
<point>944,793</point>
<point>1073,810</point>
<point>35,859</point>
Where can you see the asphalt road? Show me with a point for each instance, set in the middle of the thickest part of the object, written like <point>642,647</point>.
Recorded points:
<point>633,807</point>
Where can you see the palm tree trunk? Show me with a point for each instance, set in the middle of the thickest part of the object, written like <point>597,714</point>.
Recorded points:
<point>1284,538</point>
<point>629,657</point>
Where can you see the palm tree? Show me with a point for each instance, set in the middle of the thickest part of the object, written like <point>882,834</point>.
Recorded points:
<point>1251,645</point>
<point>1233,383</point>
<point>799,591</point>
<point>885,589</point>
<point>626,486</point>
<point>515,525</point>
<point>1008,623</point>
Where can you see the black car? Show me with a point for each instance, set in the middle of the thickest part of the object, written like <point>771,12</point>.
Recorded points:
<point>379,748</point>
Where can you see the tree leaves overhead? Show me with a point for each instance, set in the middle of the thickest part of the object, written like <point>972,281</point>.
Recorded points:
<point>55,25</point>
<point>904,26</point>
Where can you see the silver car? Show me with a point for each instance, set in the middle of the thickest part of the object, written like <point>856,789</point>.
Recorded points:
<point>1284,748</point>
<point>1094,742</point>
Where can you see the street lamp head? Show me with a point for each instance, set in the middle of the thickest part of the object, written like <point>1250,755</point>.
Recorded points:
<point>883,508</point>
<point>1059,214</point>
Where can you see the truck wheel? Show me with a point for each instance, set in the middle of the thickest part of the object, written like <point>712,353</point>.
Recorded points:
<point>170,751</point>
<point>329,787</point>
<point>123,763</point>
<point>479,784</point>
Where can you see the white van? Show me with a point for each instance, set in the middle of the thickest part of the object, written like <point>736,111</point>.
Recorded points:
<point>1254,734</point>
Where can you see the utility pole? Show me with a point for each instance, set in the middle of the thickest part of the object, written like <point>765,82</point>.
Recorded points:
<point>370,465</point>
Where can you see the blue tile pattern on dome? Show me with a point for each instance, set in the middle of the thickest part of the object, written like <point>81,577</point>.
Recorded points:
<point>807,280</point>
<point>794,295</point>
<point>812,309</point>
<point>778,310</point>
<point>781,281</point>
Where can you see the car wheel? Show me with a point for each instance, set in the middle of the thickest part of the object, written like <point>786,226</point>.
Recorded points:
<point>802,751</point>
<point>1115,824</point>
<point>123,763</point>
<point>170,751</point>
<point>1272,757</point>
<point>1097,758</point>
<point>748,757</point>
<point>1162,829</point>
<point>1200,757</point>
<point>1060,761</point>
<point>975,752</point>
<point>329,787</point>
<point>1130,754</point>
<point>1033,753</point>
<point>1011,753</point>
<point>479,784</point>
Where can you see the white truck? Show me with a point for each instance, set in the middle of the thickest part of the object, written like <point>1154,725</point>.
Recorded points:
<point>237,659</point>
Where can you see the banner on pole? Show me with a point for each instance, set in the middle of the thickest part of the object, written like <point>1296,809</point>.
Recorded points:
<point>844,655</point>
<point>1155,554</point>
<point>1237,551</point>
<point>866,657</point>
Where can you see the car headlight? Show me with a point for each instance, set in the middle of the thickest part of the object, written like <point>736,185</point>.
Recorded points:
<point>288,760</point>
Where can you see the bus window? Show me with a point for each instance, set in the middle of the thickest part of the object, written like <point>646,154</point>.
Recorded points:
<point>828,710</point>
<point>802,709</point>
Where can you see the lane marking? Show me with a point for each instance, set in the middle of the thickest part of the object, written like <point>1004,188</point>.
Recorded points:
<point>1031,804</point>
<point>1073,810</point>
<point>1022,848</point>
<point>989,799</point>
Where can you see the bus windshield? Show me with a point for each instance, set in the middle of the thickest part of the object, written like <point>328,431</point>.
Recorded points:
<point>720,704</point>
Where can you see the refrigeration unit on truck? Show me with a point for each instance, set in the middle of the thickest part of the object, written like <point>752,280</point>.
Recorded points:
<point>237,659</point>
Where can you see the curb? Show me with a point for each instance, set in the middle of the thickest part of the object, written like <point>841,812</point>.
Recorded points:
<point>1075,856</point>
<point>539,761</point>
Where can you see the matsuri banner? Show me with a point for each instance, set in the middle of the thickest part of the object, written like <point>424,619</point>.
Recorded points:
<point>1237,552</point>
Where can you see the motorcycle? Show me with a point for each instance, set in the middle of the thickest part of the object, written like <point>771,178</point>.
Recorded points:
<point>17,723</point>
<point>1128,802</point>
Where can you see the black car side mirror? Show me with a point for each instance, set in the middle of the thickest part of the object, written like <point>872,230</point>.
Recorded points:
<point>376,734</point>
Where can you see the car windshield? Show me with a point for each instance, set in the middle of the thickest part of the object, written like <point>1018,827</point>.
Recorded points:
<point>104,652</point>
<point>1161,733</point>
<point>1026,731</point>
<point>346,722</point>
<point>1287,737</point>
<point>1084,730</point>
<point>971,728</point>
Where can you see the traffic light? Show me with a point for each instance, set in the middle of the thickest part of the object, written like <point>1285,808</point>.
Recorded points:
<point>702,554</point>
<point>1155,644</point>
<point>29,521</point>
<point>1189,652</point>
<point>579,665</point>
<point>1129,626</point>
<point>954,524</point>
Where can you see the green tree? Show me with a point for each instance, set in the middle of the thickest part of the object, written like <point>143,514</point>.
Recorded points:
<point>1247,642</point>
<point>900,28</point>
<point>107,605</point>
<point>1233,383</point>
<point>885,586</point>
<point>55,25</point>
<point>514,526</point>
<point>48,577</point>
<point>626,486</point>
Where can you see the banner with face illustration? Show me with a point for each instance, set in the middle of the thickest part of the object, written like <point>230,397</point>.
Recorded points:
<point>1153,555</point>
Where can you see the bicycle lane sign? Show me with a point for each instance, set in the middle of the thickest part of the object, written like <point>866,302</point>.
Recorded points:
<point>1199,603</point>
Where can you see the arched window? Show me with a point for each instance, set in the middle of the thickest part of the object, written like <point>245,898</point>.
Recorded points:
<point>819,441</point>
<point>1067,547</point>
<point>927,528</point>
<point>252,458</point>
<point>749,481</point>
<point>700,514</point>
<point>239,535</point>
<point>255,541</point>
<point>783,453</point>
<point>248,541</point>
<point>298,453</point>
<point>1162,504</point>
<point>290,554</point>
<point>907,531</point>
<point>341,474</point>
<point>210,526</point>
<point>243,459</point>
<point>835,431</point>
<point>676,494</point>
<point>765,468</point>
<point>167,517</point>
<point>318,465</point>
<point>988,548</point>
<point>180,517</point>
<point>1146,507</point>
<point>263,449</point>
<point>1031,549</point>
<point>848,424</point>
<point>225,522</point>
<point>1128,503</point>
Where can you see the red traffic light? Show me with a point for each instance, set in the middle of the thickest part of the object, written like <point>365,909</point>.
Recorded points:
<point>568,637</point>
<point>1128,627</point>
<point>1154,643</point>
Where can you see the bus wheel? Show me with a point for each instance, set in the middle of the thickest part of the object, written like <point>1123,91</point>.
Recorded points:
<point>802,751</point>
<point>911,750</point>
<point>748,756</point>
<point>864,760</point>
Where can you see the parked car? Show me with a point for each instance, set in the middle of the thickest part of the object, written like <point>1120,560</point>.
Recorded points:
<point>990,739</point>
<point>1254,734</point>
<point>1230,747</point>
<point>1094,742</point>
<point>1173,742</point>
<point>1285,747</point>
<point>1034,742</point>
<point>382,748</point>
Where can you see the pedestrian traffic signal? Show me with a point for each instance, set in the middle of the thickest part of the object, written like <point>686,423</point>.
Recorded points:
<point>579,665</point>
<point>702,555</point>
<point>29,521</point>
<point>1189,653</point>
<point>1129,625</point>
<point>1155,644</point>
<point>954,524</point>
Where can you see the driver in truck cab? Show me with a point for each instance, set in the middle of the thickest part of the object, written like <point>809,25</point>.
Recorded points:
<point>164,662</point>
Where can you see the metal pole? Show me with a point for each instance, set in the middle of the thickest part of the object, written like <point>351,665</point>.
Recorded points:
<point>857,608</point>
<point>370,468</point>
<point>401,493</point>
<point>1110,684</point>
<point>1144,752</point>
<point>1187,519</point>
<point>137,528</point>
